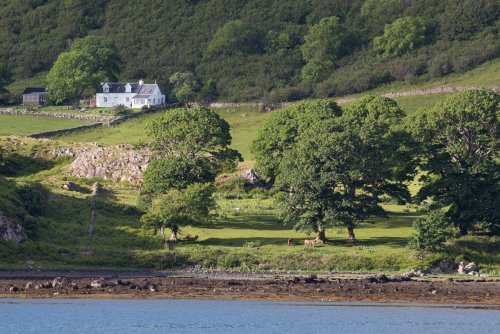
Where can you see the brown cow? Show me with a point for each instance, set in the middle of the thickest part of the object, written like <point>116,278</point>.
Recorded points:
<point>290,242</point>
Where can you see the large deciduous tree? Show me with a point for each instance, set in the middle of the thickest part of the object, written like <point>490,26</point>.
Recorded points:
<point>338,169</point>
<point>460,141</point>
<point>78,71</point>
<point>282,129</point>
<point>190,146</point>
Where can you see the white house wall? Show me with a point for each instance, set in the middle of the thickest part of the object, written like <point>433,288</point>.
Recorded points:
<point>114,99</point>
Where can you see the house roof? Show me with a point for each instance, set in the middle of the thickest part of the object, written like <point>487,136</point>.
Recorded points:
<point>32,90</point>
<point>146,90</point>
<point>119,87</point>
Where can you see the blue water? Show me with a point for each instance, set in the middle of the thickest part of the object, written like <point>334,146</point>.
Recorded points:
<point>189,316</point>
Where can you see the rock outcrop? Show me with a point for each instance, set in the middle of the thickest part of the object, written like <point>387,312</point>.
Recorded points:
<point>118,163</point>
<point>465,268</point>
<point>11,232</point>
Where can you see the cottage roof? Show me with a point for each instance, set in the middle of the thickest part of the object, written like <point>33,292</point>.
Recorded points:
<point>119,87</point>
<point>145,91</point>
<point>34,90</point>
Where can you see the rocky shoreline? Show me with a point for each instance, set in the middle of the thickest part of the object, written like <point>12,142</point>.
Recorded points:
<point>335,287</point>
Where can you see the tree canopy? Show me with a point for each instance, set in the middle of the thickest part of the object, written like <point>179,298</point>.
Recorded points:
<point>401,36</point>
<point>460,141</point>
<point>323,45</point>
<point>339,168</point>
<point>190,146</point>
<point>282,130</point>
<point>79,71</point>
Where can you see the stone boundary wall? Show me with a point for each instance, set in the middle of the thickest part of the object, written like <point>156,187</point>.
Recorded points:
<point>341,100</point>
<point>65,131</point>
<point>100,119</point>
<point>110,121</point>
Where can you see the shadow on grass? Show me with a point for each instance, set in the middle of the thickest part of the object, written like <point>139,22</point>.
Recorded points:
<point>22,165</point>
<point>239,242</point>
<point>250,222</point>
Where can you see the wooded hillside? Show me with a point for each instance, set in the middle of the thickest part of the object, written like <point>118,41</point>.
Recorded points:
<point>259,49</point>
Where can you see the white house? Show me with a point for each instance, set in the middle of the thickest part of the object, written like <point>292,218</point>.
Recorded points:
<point>131,95</point>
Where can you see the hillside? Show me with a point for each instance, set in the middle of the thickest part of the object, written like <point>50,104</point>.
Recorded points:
<point>250,49</point>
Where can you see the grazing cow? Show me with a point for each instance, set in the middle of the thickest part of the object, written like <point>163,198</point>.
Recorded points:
<point>309,243</point>
<point>290,242</point>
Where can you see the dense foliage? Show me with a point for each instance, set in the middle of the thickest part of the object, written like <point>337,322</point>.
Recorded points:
<point>77,72</point>
<point>332,168</point>
<point>190,146</point>
<point>252,49</point>
<point>460,144</point>
<point>431,231</point>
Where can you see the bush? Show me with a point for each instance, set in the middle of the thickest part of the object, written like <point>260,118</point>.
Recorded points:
<point>120,110</point>
<point>34,197</point>
<point>432,231</point>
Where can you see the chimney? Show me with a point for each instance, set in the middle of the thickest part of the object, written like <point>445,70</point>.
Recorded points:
<point>141,82</point>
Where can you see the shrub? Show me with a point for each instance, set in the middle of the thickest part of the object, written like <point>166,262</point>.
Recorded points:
<point>121,110</point>
<point>34,197</point>
<point>431,231</point>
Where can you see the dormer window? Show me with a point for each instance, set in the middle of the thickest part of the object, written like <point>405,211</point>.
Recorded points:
<point>105,88</point>
<point>128,88</point>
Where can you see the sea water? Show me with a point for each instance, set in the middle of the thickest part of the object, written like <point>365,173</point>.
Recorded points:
<point>216,316</point>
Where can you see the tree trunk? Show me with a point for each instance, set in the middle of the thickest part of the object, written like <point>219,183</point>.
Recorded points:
<point>350,230</point>
<point>173,236</point>
<point>167,244</point>
<point>76,104</point>
<point>463,230</point>
<point>321,236</point>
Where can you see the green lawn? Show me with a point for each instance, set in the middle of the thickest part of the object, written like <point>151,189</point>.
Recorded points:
<point>244,123</point>
<point>26,125</point>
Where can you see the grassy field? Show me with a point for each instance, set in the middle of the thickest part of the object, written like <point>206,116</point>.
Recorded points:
<point>26,125</point>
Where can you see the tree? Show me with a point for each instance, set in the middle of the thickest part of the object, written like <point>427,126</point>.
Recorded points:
<point>324,44</point>
<point>235,37</point>
<point>401,36</point>
<point>374,14</point>
<point>462,18</point>
<point>5,79</point>
<point>184,86</point>
<point>79,71</point>
<point>191,146</point>
<point>459,140</point>
<point>339,168</point>
<point>173,173</point>
<point>282,129</point>
<point>191,206</point>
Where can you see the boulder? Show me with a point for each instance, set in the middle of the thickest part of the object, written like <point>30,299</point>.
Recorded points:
<point>252,177</point>
<point>466,268</point>
<point>29,285</point>
<point>99,283</point>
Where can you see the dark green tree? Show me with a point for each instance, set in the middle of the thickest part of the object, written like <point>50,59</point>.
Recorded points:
<point>184,86</point>
<point>79,71</point>
<point>338,170</point>
<point>282,129</point>
<point>191,146</point>
<point>5,79</point>
<point>460,139</point>
<point>324,44</point>
<point>235,37</point>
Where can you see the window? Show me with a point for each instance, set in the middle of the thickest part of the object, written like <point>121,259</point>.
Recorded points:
<point>105,99</point>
